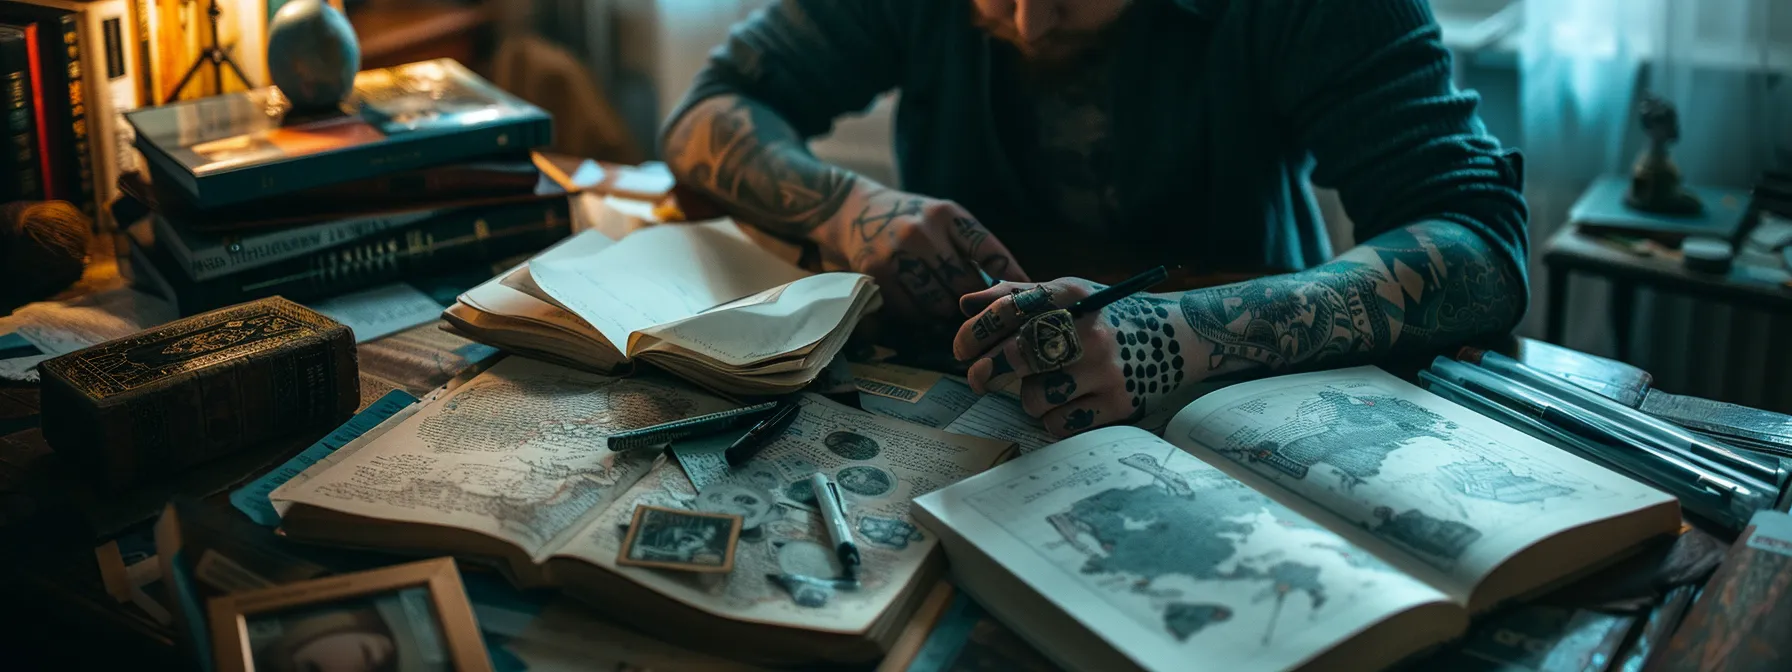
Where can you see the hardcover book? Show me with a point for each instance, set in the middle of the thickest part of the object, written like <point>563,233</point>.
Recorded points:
<point>1343,520</point>
<point>483,182</point>
<point>53,37</point>
<point>251,145</point>
<point>193,390</point>
<point>445,242</point>
<point>512,468</point>
<point>18,127</point>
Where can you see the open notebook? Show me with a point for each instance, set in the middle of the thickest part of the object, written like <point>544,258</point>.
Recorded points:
<point>702,301</point>
<point>1336,520</point>
<point>512,469</point>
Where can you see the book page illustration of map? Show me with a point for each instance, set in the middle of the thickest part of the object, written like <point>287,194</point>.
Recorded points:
<point>1192,555</point>
<point>1380,458</point>
<point>879,464</point>
<point>517,453</point>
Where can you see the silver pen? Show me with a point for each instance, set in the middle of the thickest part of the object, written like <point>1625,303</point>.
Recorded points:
<point>833,516</point>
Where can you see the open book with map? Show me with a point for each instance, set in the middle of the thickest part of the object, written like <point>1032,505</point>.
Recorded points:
<point>511,468</point>
<point>1336,520</point>
<point>703,301</point>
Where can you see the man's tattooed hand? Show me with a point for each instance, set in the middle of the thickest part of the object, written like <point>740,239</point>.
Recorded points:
<point>1134,356</point>
<point>923,252</point>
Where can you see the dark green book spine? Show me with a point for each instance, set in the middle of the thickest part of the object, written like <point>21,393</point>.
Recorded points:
<point>449,242</point>
<point>18,146</point>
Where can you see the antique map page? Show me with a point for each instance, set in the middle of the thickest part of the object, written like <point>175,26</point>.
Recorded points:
<point>1166,558</point>
<point>1402,470</point>
<point>880,464</point>
<point>517,453</point>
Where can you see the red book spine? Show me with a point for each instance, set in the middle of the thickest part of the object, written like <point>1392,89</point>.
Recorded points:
<point>37,106</point>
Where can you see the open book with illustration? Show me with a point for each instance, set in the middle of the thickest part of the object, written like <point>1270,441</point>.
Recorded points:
<point>1336,520</point>
<point>512,468</point>
<point>700,300</point>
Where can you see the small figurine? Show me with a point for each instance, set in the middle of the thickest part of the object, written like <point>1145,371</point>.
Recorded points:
<point>1655,181</point>
<point>312,55</point>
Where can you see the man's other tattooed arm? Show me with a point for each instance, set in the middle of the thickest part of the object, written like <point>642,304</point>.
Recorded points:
<point>1427,286</point>
<point>745,156</point>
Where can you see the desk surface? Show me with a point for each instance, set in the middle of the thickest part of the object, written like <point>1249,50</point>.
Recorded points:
<point>47,562</point>
<point>1571,250</point>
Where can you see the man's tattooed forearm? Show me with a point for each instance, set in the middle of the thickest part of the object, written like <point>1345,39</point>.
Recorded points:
<point>1425,286</point>
<point>745,156</point>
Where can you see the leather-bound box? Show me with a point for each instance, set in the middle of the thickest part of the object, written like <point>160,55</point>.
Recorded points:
<point>164,399</point>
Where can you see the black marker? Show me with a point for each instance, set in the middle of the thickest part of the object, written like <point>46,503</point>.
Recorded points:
<point>664,433</point>
<point>755,440</point>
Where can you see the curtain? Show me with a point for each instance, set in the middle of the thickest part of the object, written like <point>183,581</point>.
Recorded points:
<point>1583,66</point>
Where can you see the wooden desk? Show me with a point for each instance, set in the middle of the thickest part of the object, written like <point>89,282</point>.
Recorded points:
<point>1569,251</point>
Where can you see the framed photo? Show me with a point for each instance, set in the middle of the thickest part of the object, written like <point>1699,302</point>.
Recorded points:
<point>409,618</point>
<point>690,541</point>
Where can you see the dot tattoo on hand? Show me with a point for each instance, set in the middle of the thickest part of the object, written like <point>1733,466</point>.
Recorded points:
<point>1059,387</point>
<point>999,365</point>
<point>1150,357</point>
<point>1079,419</point>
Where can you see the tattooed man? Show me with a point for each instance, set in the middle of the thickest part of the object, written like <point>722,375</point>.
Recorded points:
<point>1154,131</point>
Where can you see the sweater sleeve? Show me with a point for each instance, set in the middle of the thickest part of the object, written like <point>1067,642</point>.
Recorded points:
<point>1366,87</point>
<point>810,61</point>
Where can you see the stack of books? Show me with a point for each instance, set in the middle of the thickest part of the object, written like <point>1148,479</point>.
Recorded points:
<point>424,169</point>
<point>66,73</point>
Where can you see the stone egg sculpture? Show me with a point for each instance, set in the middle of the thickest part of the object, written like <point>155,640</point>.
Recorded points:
<point>312,54</point>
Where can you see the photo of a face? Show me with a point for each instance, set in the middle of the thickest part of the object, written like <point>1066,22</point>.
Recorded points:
<point>396,632</point>
<point>681,540</point>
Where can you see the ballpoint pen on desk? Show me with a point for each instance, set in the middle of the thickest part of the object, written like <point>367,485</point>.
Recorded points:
<point>665,433</point>
<point>762,434</point>
<point>833,517</point>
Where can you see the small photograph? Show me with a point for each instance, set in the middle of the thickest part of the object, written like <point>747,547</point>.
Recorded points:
<point>866,481</point>
<point>687,541</point>
<point>851,445</point>
<point>392,631</point>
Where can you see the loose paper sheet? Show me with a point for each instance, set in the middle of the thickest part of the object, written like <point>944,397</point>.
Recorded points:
<point>381,311</point>
<point>60,327</point>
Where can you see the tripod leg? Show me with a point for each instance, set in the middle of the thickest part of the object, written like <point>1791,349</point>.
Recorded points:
<point>185,79</point>
<point>239,72</point>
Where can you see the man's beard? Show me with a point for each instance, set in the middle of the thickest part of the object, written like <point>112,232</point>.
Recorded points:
<point>1058,51</point>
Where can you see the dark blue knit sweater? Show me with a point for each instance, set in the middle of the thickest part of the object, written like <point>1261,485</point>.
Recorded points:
<point>1223,112</point>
